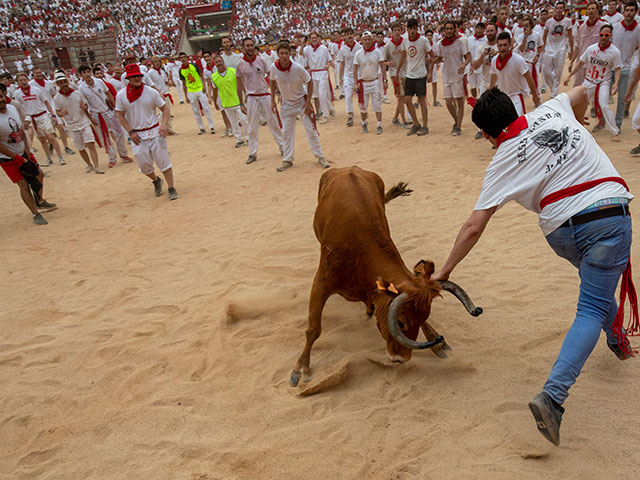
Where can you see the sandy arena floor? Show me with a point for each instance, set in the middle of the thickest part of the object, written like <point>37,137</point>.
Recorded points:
<point>149,339</point>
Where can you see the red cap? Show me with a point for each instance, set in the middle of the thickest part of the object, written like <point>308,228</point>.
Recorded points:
<point>132,70</point>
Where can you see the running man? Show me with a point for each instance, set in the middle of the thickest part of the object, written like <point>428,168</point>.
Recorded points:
<point>557,31</point>
<point>195,91</point>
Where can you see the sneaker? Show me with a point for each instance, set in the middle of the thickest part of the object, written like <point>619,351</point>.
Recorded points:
<point>172,193</point>
<point>251,159</point>
<point>263,122</point>
<point>615,348</point>
<point>365,128</point>
<point>597,128</point>
<point>423,131</point>
<point>62,161</point>
<point>332,114</point>
<point>379,129</point>
<point>479,135</point>
<point>39,219</point>
<point>112,164</point>
<point>406,125</point>
<point>47,163</point>
<point>229,132</point>
<point>456,131</point>
<point>68,151</point>
<point>415,129</point>
<point>212,130</point>
<point>126,160</point>
<point>181,102</point>
<point>157,186</point>
<point>548,416</point>
<point>284,166</point>
<point>323,163</point>
<point>44,205</point>
<point>341,97</point>
<point>350,121</point>
<point>240,144</point>
<point>386,100</point>
<point>397,122</point>
<point>635,150</point>
<point>89,169</point>
<point>202,131</point>
<point>437,104</point>
<point>98,171</point>
<point>323,119</point>
<point>543,90</point>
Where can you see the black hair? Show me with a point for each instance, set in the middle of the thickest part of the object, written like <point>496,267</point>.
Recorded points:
<point>606,25</point>
<point>412,23</point>
<point>83,68</point>
<point>480,24</point>
<point>494,111</point>
<point>245,39</point>
<point>631,4</point>
<point>504,36</point>
<point>182,53</point>
<point>96,68</point>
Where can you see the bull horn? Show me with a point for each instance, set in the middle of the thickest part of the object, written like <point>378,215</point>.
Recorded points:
<point>461,295</point>
<point>398,334</point>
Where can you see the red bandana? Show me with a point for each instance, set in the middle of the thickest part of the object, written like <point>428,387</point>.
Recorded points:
<point>316,47</point>
<point>604,48</point>
<point>246,59</point>
<point>134,93</point>
<point>396,43</point>
<point>500,64</point>
<point>373,47</point>
<point>513,130</point>
<point>71,90</point>
<point>558,19</point>
<point>281,68</point>
<point>339,44</point>
<point>26,90</point>
<point>40,82</point>
<point>501,25</point>
<point>449,41</point>
<point>351,46</point>
<point>592,24</point>
<point>631,27</point>
<point>185,68</point>
<point>478,37</point>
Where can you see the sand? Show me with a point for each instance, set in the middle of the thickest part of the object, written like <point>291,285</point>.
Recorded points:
<point>149,339</point>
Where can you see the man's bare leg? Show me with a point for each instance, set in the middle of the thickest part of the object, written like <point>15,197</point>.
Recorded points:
<point>412,110</point>
<point>168,176</point>
<point>423,109</point>
<point>27,197</point>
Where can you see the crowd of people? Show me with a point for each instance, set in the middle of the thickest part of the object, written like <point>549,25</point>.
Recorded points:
<point>493,60</point>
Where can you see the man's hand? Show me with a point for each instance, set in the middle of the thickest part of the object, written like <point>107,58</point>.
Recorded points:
<point>243,109</point>
<point>614,89</point>
<point>536,98</point>
<point>274,106</point>
<point>209,100</point>
<point>216,105</point>
<point>566,82</point>
<point>186,99</point>
<point>135,138</point>
<point>164,131</point>
<point>570,68</point>
<point>308,109</point>
<point>461,69</point>
<point>439,276</point>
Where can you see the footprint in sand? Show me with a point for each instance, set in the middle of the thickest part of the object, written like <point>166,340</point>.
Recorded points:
<point>166,309</point>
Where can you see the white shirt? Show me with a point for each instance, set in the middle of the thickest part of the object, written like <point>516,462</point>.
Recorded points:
<point>627,42</point>
<point>452,59</point>
<point>473,43</point>
<point>253,75</point>
<point>553,153</point>
<point>599,63</point>
<point>613,19</point>
<point>117,84</point>
<point>518,33</point>
<point>556,35</point>
<point>33,103</point>
<point>11,135</point>
<point>539,29</point>
<point>346,56</point>
<point>486,65</point>
<point>141,114</point>
<point>76,119</point>
<point>318,58</point>
<point>159,79</point>
<point>292,82</point>
<point>269,57</point>
<point>96,96</point>
<point>368,63</point>
<point>533,43</point>
<point>417,51</point>
<point>392,53</point>
<point>231,60</point>
<point>511,78</point>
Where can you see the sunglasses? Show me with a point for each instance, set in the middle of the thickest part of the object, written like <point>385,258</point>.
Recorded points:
<point>605,35</point>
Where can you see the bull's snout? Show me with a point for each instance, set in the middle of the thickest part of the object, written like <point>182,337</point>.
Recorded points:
<point>398,353</point>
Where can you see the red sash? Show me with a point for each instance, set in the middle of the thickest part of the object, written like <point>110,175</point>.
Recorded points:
<point>105,133</point>
<point>361,95</point>
<point>168,95</point>
<point>596,103</point>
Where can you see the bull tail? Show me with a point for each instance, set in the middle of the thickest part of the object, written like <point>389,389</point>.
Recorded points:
<point>399,190</point>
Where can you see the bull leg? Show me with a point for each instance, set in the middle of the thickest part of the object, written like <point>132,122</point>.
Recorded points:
<point>430,333</point>
<point>317,300</point>
<point>371,308</point>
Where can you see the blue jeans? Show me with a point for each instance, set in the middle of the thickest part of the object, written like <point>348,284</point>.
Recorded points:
<point>600,251</point>
<point>623,85</point>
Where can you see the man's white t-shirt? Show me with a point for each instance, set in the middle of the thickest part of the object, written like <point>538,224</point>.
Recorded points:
<point>417,51</point>
<point>141,114</point>
<point>627,42</point>
<point>11,135</point>
<point>557,31</point>
<point>231,60</point>
<point>511,78</point>
<point>474,45</point>
<point>159,79</point>
<point>368,63</point>
<point>532,43</point>
<point>346,57</point>
<point>553,153</point>
<point>392,53</point>
<point>317,58</point>
<point>452,59</point>
<point>32,103</point>
<point>617,17</point>
<point>76,119</point>
<point>599,63</point>
<point>95,95</point>
<point>292,83</point>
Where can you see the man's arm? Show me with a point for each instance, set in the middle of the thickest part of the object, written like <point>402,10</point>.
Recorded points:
<point>634,81</point>
<point>494,80</point>
<point>467,237</point>
<point>164,121</point>
<point>355,77</point>
<point>532,88</point>
<point>215,96</point>
<point>403,58</point>
<point>614,85</point>
<point>184,89</point>
<point>579,66</point>
<point>579,102</point>
<point>571,49</point>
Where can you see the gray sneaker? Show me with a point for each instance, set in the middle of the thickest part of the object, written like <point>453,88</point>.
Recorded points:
<point>479,135</point>
<point>365,128</point>
<point>548,417</point>
<point>437,104</point>
<point>251,159</point>
<point>423,131</point>
<point>39,219</point>
<point>456,131</point>
<point>240,144</point>
<point>323,163</point>
<point>379,130</point>
<point>350,121</point>
<point>68,151</point>
<point>414,129</point>
<point>284,166</point>
<point>615,348</point>
<point>172,193</point>
<point>213,131</point>
<point>635,150</point>
<point>47,163</point>
<point>44,205</point>
<point>62,161</point>
<point>202,131</point>
<point>157,185</point>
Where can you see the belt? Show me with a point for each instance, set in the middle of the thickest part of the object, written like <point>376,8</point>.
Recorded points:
<point>144,129</point>
<point>605,212</point>
<point>257,94</point>
<point>38,114</point>
<point>372,80</point>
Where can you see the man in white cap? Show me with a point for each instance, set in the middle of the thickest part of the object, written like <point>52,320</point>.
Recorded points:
<point>367,63</point>
<point>72,106</point>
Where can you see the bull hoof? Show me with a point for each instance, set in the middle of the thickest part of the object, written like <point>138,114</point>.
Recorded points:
<point>440,350</point>
<point>294,379</point>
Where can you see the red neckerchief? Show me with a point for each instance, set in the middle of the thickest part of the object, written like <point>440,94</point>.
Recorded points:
<point>40,82</point>
<point>185,68</point>
<point>373,47</point>
<point>603,49</point>
<point>339,44</point>
<point>631,27</point>
<point>381,44</point>
<point>157,69</point>
<point>542,24</point>
<point>71,90</point>
<point>478,37</point>
<point>8,100</point>
<point>449,41</point>
<point>351,46</point>
<point>396,43</point>
<point>558,19</point>
<point>501,25</point>
<point>26,90</point>
<point>417,37</point>
<point>281,68</point>
<point>592,24</point>
<point>134,93</point>
<point>513,130</point>
<point>316,47</point>
<point>246,59</point>
<point>500,64</point>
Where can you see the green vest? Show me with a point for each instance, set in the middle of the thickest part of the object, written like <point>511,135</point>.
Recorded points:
<point>226,86</point>
<point>191,78</point>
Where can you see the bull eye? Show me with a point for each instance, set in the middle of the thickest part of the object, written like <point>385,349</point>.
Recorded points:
<point>402,326</point>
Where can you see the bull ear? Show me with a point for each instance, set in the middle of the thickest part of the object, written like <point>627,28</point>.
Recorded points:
<point>424,268</point>
<point>385,286</point>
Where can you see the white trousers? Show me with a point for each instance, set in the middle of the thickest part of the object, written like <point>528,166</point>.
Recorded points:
<point>371,90</point>
<point>114,127</point>
<point>322,91</point>
<point>552,67</point>
<point>518,101</point>
<point>256,107</point>
<point>348,93</point>
<point>336,76</point>
<point>178,82</point>
<point>238,122</point>
<point>199,99</point>
<point>289,112</point>
<point>603,100</point>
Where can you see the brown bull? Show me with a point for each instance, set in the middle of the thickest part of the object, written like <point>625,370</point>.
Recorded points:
<point>359,261</point>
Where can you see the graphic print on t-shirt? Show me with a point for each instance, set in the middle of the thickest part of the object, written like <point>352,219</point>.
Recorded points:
<point>558,30</point>
<point>412,51</point>
<point>16,134</point>
<point>552,139</point>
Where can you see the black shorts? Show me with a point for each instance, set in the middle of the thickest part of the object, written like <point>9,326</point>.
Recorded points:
<point>415,86</point>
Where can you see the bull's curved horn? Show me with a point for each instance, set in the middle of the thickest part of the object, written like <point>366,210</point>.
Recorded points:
<point>398,334</point>
<point>461,295</point>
